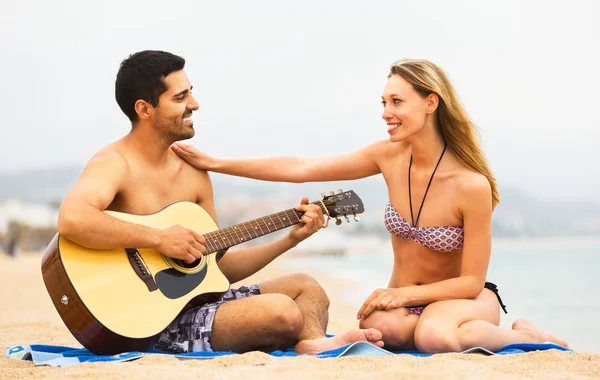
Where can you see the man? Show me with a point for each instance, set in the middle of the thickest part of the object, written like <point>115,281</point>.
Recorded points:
<point>140,174</point>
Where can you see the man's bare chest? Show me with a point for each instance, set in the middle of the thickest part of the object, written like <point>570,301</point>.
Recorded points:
<point>147,193</point>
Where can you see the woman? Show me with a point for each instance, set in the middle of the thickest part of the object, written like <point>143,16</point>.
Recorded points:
<point>441,197</point>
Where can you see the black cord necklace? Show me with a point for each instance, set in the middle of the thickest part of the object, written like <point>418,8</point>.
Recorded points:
<point>415,224</point>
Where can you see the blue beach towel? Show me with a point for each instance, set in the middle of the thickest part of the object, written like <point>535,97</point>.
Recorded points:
<point>59,356</point>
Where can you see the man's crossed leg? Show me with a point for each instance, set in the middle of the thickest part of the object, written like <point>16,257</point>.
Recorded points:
<point>270,316</point>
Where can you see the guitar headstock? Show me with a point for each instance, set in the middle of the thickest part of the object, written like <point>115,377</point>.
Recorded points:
<point>344,203</point>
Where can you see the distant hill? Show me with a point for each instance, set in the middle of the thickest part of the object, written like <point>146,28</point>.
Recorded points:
<point>39,186</point>
<point>519,214</point>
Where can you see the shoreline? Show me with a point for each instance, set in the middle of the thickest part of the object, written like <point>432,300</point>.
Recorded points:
<point>27,316</point>
<point>524,241</point>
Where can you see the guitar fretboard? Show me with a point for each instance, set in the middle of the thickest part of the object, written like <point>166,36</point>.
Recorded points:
<point>240,233</point>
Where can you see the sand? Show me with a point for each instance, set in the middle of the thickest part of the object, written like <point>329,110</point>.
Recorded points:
<point>27,316</point>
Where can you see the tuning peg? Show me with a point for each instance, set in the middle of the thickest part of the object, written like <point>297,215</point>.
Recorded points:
<point>322,195</point>
<point>331,193</point>
<point>338,221</point>
<point>347,220</point>
<point>356,218</point>
<point>339,191</point>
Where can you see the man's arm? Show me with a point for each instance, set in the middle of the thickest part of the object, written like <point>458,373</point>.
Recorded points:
<point>241,264</point>
<point>237,265</point>
<point>82,219</point>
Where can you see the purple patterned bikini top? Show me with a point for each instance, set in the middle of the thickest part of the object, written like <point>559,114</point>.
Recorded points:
<point>442,239</point>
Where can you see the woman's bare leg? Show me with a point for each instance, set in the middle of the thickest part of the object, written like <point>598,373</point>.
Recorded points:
<point>457,325</point>
<point>397,327</point>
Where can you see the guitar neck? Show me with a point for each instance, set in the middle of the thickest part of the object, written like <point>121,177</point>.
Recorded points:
<point>243,232</point>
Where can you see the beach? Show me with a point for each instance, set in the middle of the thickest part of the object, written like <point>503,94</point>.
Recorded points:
<point>27,316</point>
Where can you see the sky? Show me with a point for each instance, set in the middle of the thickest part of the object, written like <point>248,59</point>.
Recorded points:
<point>305,78</point>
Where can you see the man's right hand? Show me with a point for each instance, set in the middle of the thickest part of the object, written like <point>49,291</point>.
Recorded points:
<point>181,243</point>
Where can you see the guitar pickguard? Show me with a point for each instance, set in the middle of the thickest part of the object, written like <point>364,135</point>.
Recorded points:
<point>175,284</point>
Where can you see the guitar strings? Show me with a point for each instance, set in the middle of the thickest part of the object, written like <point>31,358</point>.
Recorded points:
<point>229,231</point>
<point>233,233</point>
<point>229,234</point>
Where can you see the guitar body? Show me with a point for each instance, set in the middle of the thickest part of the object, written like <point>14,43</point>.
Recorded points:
<point>116,301</point>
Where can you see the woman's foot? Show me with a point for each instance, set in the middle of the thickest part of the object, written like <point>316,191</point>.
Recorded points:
<point>314,346</point>
<point>538,335</point>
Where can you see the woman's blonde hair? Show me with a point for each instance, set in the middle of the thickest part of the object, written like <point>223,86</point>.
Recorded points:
<point>461,135</point>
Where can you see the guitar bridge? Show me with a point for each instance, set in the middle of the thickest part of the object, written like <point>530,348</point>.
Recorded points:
<point>140,268</point>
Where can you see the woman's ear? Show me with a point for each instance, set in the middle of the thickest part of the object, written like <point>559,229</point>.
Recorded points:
<point>432,102</point>
<point>143,109</point>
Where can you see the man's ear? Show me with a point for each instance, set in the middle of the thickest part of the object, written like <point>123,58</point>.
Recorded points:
<point>143,109</point>
<point>432,102</point>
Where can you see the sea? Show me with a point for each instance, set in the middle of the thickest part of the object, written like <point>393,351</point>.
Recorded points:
<point>554,283</point>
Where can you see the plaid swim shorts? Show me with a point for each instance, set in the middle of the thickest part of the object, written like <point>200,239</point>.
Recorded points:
<point>191,331</point>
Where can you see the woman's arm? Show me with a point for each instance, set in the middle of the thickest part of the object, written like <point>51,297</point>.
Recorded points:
<point>359,164</point>
<point>476,208</point>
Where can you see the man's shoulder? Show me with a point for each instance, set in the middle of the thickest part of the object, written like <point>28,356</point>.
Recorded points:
<point>109,157</point>
<point>190,171</point>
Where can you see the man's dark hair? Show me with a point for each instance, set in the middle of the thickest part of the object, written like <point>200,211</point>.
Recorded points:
<point>142,76</point>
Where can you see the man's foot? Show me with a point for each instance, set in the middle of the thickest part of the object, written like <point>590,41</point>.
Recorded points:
<point>537,334</point>
<point>314,346</point>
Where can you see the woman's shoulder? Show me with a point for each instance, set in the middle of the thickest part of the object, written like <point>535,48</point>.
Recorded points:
<point>467,179</point>
<point>472,186</point>
<point>387,147</point>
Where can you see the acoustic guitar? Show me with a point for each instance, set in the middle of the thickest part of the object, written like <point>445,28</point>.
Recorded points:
<point>119,300</point>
